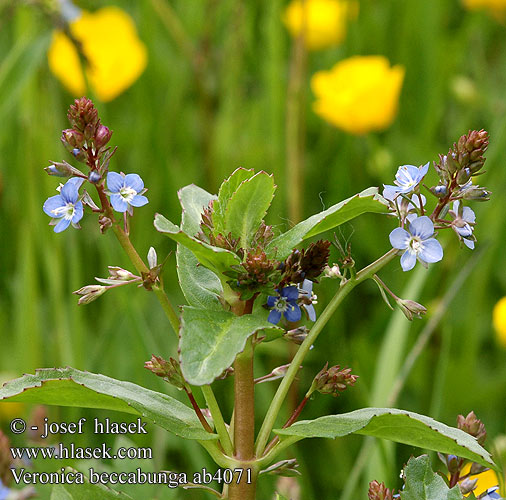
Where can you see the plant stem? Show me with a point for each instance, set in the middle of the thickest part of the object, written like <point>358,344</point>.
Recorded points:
<point>219,423</point>
<point>285,384</point>
<point>198,411</point>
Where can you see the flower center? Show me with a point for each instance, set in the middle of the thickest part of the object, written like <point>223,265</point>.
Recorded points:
<point>66,211</point>
<point>281,304</point>
<point>416,244</point>
<point>127,193</point>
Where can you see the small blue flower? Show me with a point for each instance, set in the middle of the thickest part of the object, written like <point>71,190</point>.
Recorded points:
<point>65,206</point>
<point>126,191</point>
<point>308,298</point>
<point>463,223</point>
<point>286,303</point>
<point>407,178</point>
<point>418,243</point>
<point>4,491</point>
<point>491,494</point>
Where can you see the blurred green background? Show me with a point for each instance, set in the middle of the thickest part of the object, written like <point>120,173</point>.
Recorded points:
<point>455,63</point>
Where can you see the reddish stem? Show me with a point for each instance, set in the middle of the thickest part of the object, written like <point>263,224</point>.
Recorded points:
<point>198,411</point>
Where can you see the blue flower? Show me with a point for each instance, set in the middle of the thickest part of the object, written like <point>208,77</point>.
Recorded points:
<point>407,178</point>
<point>463,222</point>
<point>491,494</point>
<point>286,303</point>
<point>308,298</point>
<point>418,243</point>
<point>126,191</point>
<point>65,206</point>
<point>4,491</point>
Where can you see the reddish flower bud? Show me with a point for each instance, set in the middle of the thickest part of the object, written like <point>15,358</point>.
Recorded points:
<point>102,136</point>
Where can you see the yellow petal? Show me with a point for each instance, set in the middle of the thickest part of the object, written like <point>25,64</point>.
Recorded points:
<point>117,57</point>
<point>499,321</point>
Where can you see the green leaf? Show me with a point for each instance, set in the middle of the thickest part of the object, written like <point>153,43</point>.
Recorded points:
<point>201,287</point>
<point>210,341</point>
<point>216,259</point>
<point>366,201</point>
<point>85,491</point>
<point>280,497</point>
<point>227,189</point>
<point>395,425</point>
<point>71,387</point>
<point>421,483</point>
<point>247,207</point>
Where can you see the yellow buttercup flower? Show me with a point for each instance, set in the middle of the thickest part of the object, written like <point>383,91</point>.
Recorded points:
<point>359,94</point>
<point>499,321</point>
<point>496,6</point>
<point>324,21</point>
<point>116,55</point>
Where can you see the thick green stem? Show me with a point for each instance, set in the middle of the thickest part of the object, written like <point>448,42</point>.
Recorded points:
<point>219,423</point>
<point>283,388</point>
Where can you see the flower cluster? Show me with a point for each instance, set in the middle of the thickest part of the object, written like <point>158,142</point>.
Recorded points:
<point>87,141</point>
<point>107,38</point>
<point>455,170</point>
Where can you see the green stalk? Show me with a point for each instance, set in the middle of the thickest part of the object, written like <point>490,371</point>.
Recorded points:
<point>219,423</point>
<point>283,388</point>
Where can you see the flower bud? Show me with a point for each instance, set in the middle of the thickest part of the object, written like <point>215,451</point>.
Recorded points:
<point>378,491</point>
<point>82,113</point>
<point>467,485</point>
<point>105,223</point>
<point>79,154</point>
<point>411,308</point>
<point>152,258</point>
<point>297,335</point>
<point>120,274</point>
<point>63,169</point>
<point>169,370</point>
<point>333,380</point>
<point>440,190</point>
<point>89,293</point>
<point>472,425</point>
<point>102,136</point>
<point>476,193</point>
<point>72,139</point>
<point>94,177</point>
<point>332,272</point>
<point>463,176</point>
<point>287,468</point>
<point>452,463</point>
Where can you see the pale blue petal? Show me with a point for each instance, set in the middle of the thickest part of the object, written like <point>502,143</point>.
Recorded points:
<point>390,192</point>
<point>423,170</point>
<point>422,227</point>
<point>77,182</point>
<point>115,182</point>
<point>271,301</point>
<point>78,212</point>
<point>469,243</point>
<point>293,313</point>
<point>307,286</point>
<point>468,215</point>
<point>464,231</point>
<point>69,192</point>
<point>62,225</point>
<point>311,313</point>
<point>274,317</point>
<point>399,238</point>
<point>134,181</point>
<point>52,204</point>
<point>139,201</point>
<point>118,203</point>
<point>290,292</point>
<point>432,251</point>
<point>408,261</point>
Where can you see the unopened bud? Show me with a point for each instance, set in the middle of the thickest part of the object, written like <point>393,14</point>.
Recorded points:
<point>79,154</point>
<point>476,193</point>
<point>477,469</point>
<point>287,468</point>
<point>333,380</point>
<point>169,370</point>
<point>90,293</point>
<point>94,177</point>
<point>411,308</point>
<point>63,169</point>
<point>105,223</point>
<point>102,136</point>
<point>463,176</point>
<point>452,463</point>
<point>118,273</point>
<point>152,258</point>
<point>332,272</point>
<point>297,335</point>
<point>72,139</point>
<point>440,190</point>
<point>81,113</point>
<point>378,491</point>
<point>89,131</point>
<point>467,485</point>
<point>472,425</point>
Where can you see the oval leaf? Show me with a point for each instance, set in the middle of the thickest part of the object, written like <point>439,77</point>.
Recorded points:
<point>395,425</point>
<point>421,483</point>
<point>366,201</point>
<point>71,387</point>
<point>247,207</point>
<point>201,287</point>
<point>216,259</point>
<point>210,341</point>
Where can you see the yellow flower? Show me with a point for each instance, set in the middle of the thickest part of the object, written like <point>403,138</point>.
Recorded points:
<point>486,480</point>
<point>324,21</point>
<point>497,7</point>
<point>499,321</point>
<point>109,40</point>
<point>359,94</point>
